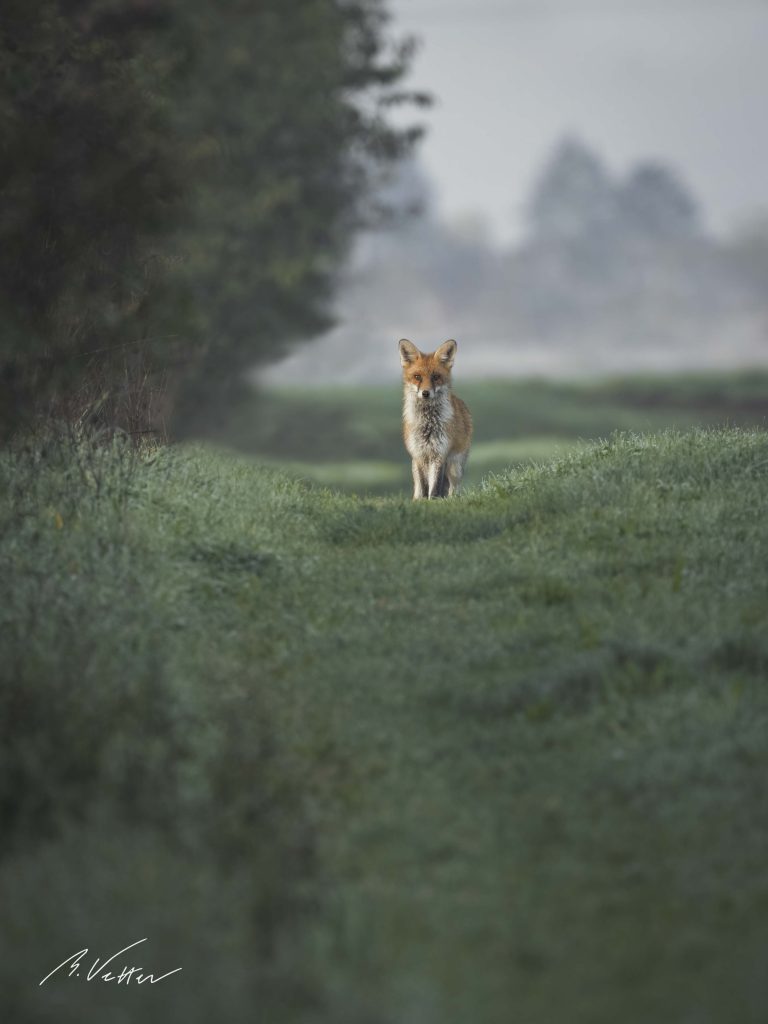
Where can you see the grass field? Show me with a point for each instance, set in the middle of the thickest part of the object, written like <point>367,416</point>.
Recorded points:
<point>350,438</point>
<point>347,759</point>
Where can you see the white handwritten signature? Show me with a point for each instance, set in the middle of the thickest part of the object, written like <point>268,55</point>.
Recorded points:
<point>98,971</point>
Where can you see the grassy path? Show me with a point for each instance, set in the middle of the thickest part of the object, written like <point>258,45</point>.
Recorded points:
<point>499,759</point>
<point>350,439</point>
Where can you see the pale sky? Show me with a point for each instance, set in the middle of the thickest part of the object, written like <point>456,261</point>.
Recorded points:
<point>684,81</point>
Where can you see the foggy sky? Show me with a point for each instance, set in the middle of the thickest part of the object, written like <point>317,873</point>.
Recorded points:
<point>685,81</point>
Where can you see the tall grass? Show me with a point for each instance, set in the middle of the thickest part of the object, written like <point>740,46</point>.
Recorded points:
<point>142,787</point>
<point>361,759</point>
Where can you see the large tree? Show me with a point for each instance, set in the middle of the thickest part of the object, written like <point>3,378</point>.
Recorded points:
<point>89,182</point>
<point>286,119</point>
<point>179,181</point>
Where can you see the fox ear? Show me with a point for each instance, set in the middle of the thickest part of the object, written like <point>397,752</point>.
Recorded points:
<point>408,352</point>
<point>447,353</point>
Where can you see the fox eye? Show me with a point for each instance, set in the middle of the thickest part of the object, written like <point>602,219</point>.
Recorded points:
<point>417,378</point>
<point>436,378</point>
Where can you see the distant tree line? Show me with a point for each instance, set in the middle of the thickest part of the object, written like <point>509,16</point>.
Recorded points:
<point>609,268</point>
<point>179,182</point>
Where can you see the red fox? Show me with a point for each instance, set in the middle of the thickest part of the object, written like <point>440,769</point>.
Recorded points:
<point>437,426</point>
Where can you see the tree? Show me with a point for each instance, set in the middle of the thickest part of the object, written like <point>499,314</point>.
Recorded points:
<point>573,196</point>
<point>180,180</point>
<point>88,183</point>
<point>655,203</point>
<point>286,108</point>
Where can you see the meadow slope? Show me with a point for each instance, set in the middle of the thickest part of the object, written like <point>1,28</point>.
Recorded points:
<point>495,759</point>
<point>351,438</point>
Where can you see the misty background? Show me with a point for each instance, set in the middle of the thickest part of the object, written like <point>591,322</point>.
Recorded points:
<point>341,756</point>
<point>589,197</point>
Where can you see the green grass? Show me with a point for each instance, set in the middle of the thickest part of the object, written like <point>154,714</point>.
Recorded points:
<point>495,759</point>
<point>380,477</point>
<point>350,437</point>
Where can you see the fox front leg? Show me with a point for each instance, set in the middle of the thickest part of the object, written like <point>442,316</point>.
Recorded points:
<point>419,481</point>
<point>435,475</point>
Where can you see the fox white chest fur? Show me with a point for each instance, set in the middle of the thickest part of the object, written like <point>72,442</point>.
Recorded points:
<point>437,427</point>
<point>427,434</point>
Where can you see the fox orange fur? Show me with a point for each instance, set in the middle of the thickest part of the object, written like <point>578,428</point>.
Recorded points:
<point>437,426</point>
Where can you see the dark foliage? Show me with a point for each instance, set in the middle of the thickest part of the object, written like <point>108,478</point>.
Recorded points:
<point>89,183</point>
<point>178,183</point>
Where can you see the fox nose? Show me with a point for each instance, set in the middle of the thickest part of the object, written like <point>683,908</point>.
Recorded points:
<point>425,394</point>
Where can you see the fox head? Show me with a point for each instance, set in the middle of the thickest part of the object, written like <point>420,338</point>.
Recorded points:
<point>427,375</point>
